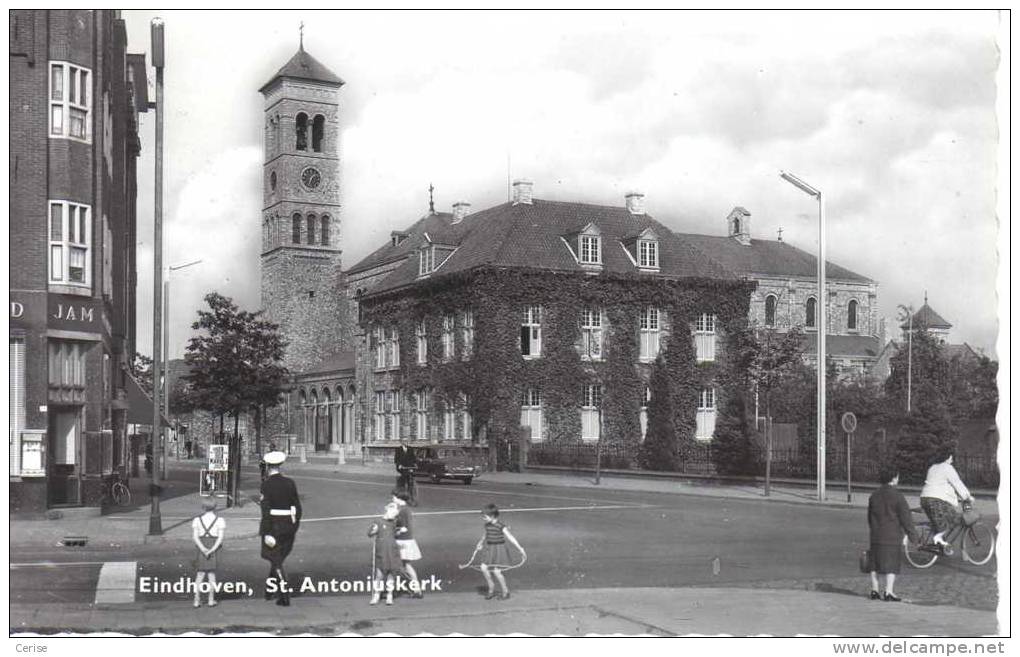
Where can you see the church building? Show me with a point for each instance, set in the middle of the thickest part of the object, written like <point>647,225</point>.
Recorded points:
<point>547,315</point>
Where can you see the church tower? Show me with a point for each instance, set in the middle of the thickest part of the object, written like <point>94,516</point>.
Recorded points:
<point>301,269</point>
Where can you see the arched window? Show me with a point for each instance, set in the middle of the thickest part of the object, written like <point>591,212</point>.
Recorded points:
<point>318,132</point>
<point>296,237</point>
<point>325,230</point>
<point>809,320</point>
<point>770,310</point>
<point>851,315</point>
<point>311,229</point>
<point>736,226</point>
<point>301,130</point>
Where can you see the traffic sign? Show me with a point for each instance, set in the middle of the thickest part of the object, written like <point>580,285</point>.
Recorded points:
<point>849,422</point>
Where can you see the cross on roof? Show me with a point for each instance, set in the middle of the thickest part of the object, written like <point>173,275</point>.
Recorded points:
<point>780,233</point>
<point>432,205</point>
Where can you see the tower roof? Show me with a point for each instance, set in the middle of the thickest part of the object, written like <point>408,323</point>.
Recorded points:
<point>303,66</point>
<point>927,318</point>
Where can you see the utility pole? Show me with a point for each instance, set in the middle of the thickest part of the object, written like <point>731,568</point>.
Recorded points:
<point>155,519</point>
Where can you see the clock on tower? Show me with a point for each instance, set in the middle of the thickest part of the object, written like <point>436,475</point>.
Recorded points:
<point>301,209</point>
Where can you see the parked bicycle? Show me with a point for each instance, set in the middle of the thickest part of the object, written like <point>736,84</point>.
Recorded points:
<point>975,538</point>
<point>117,491</point>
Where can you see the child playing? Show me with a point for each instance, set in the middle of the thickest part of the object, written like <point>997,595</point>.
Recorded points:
<point>207,532</point>
<point>409,550</point>
<point>385,554</point>
<point>493,555</point>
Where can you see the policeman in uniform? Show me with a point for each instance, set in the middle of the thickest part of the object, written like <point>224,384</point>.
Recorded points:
<point>281,515</point>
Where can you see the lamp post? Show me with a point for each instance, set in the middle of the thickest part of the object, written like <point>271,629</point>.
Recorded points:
<point>166,345</point>
<point>821,309</point>
<point>155,520</point>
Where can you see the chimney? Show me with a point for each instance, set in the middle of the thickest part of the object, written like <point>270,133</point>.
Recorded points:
<point>738,225</point>
<point>635,202</point>
<point>522,192</point>
<point>460,210</point>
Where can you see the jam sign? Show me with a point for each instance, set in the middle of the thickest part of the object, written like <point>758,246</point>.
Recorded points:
<point>72,312</point>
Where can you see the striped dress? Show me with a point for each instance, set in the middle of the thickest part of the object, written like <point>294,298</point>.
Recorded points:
<point>495,553</point>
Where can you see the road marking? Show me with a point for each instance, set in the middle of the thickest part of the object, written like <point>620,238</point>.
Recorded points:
<point>466,490</point>
<point>476,512</point>
<point>54,564</point>
<point>116,583</point>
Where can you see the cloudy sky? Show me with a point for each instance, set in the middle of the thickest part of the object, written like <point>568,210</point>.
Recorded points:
<point>892,115</point>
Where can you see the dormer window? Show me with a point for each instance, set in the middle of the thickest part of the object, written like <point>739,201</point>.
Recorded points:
<point>426,261</point>
<point>590,251</point>
<point>648,254</point>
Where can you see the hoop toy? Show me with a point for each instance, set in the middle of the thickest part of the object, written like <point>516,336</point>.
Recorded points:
<point>524,558</point>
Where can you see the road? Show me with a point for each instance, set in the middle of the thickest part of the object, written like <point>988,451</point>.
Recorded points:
<point>575,539</point>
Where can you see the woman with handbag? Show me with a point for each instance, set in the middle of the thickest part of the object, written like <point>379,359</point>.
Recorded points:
<point>888,520</point>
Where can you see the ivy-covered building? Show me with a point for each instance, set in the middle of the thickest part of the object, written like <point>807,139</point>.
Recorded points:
<point>549,315</point>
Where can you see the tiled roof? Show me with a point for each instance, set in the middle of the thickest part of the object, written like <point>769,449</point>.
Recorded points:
<point>768,257</point>
<point>855,346</point>
<point>305,67</point>
<point>530,236</point>
<point>434,224</point>
<point>962,351</point>
<point>928,318</point>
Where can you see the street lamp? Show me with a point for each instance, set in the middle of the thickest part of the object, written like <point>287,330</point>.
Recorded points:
<point>166,344</point>
<point>821,308</point>
<point>155,520</point>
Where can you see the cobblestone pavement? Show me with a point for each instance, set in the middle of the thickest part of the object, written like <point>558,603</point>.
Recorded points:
<point>952,587</point>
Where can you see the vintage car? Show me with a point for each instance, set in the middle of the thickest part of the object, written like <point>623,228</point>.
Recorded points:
<point>446,463</point>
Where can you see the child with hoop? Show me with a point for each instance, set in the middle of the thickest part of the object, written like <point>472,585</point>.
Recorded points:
<point>491,554</point>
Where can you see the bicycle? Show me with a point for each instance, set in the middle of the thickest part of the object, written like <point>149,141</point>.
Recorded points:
<point>977,543</point>
<point>118,491</point>
<point>406,481</point>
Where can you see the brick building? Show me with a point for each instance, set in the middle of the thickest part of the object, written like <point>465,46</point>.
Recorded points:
<point>75,96</point>
<point>548,315</point>
<point>302,281</point>
<point>787,294</point>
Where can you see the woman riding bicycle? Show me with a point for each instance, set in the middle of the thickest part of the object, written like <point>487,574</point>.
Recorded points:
<point>942,488</point>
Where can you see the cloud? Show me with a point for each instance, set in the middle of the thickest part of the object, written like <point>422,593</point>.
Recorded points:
<point>890,114</point>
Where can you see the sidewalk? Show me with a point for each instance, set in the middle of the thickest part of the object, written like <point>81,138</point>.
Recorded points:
<point>663,612</point>
<point>131,528</point>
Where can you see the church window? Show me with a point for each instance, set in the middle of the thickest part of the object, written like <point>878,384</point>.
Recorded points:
<point>311,229</point>
<point>301,130</point>
<point>318,132</point>
<point>770,310</point>
<point>272,181</point>
<point>325,230</point>
<point>809,320</point>
<point>851,315</point>
<point>296,237</point>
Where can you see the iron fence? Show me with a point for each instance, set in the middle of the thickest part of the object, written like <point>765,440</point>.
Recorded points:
<point>977,470</point>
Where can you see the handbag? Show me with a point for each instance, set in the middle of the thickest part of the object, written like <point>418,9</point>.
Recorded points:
<point>865,563</point>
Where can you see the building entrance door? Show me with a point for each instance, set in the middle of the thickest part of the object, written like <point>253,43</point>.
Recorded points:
<point>64,464</point>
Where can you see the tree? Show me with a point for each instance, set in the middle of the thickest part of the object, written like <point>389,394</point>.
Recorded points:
<point>141,370</point>
<point>763,359</point>
<point>235,365</point>
<point>923,368</point>
<point>973,390</point>
<point>733,449</point>
<point>659,449</point>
